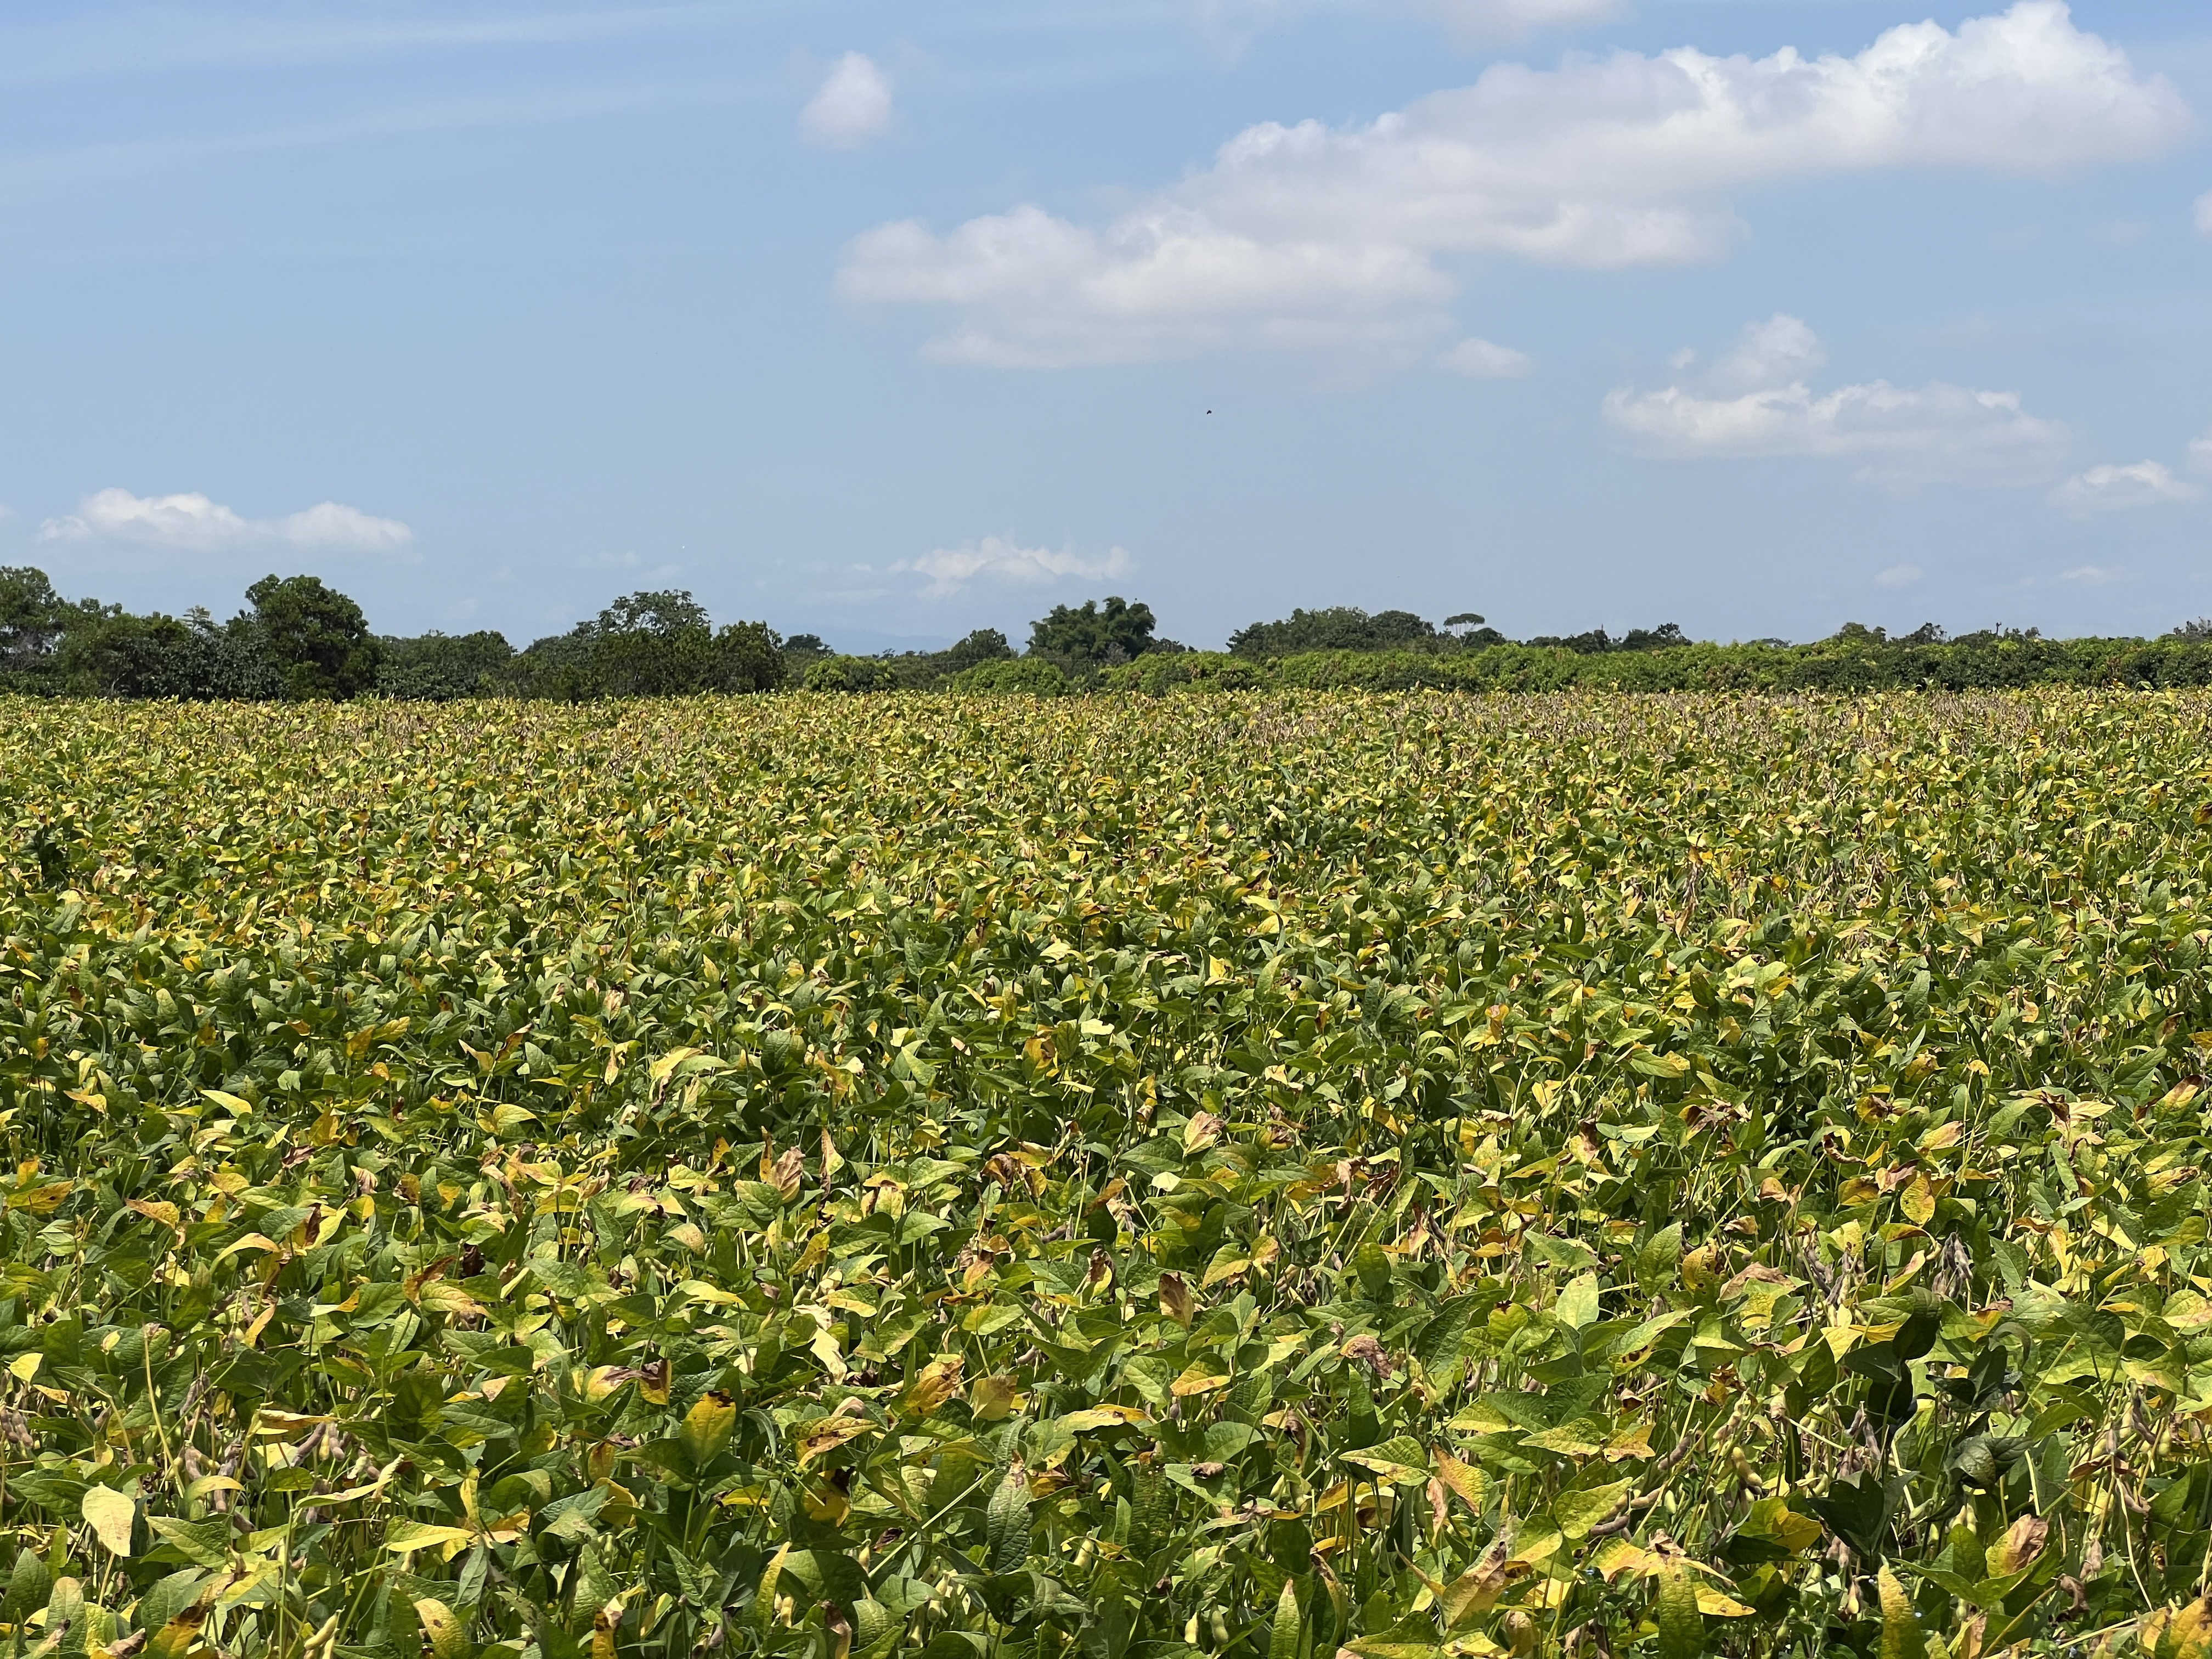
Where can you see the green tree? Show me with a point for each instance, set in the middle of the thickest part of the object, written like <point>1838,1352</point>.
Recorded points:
<point>193,657</point>
<point>1338,628</point>
<point>655,644</point>
<point>317,636</point>
<point>437,667</point>
<point>1085,639</point>
<point>34,621</point>
<point>984,645</point>
<point>31,616</point>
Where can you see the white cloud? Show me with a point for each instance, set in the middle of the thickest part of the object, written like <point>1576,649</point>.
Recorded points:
<point>1314,234</point>
<point>1897,434</point>
<point>1776,352</point>
<point>852,107</point>
<point>2200,452</point>
<point>2115,488</point>
<point>2094,575</point>
<point>1001,559</point>
<point>2204,214</point>
<point>1481,359</point>
<point>192,520</point>
<point>1899,575</point>
<point>328,524</point>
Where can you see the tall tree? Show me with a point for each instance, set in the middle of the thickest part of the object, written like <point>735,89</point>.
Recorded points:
<point>34,621</point>
<point>1093,636</point>
<point>317,636</point>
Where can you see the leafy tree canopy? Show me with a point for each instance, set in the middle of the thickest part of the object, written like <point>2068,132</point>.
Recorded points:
<point>1094,635</point>
<point>317,636</point>
<point>1334,628</point>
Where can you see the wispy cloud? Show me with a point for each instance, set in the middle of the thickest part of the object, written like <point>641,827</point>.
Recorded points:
<point>2118,488</point>
<point>1473,21</point>
<point>154,42</point>
<point>1899,575</point>
<point>31,174</point>
<point>1483,359</point>
<point>2095,575</point>
<point>1000,558</point>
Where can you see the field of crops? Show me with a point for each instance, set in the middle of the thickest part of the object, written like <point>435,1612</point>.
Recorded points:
<point>1254,1176</point>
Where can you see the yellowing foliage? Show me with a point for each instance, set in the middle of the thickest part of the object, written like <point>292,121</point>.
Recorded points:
<point>1263,1175</point>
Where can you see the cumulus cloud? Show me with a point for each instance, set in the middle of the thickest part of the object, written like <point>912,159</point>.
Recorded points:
<point>1776,352</point>
<point>1899,575</point>
<point>1898,434</point>
<point>2115,489</point>
<point>1481,360</point>
<point>192,520</point>
<point>1318,234</point>
<point>852,107</point>
<point>2200,452</point>
<point>999,558</point>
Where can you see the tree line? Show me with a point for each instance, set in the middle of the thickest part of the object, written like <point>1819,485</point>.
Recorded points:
<point>299,639</point>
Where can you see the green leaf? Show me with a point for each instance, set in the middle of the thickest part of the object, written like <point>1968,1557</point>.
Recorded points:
<point>1675,1610</point>
<point>1006,1521</point>
<point>707,1430</point>
<point>1283,1636</point>
<point>204,1543</point>
<point>1577,1512</point>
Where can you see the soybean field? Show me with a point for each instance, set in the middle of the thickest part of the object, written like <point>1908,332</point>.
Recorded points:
<point>1266,1176</point>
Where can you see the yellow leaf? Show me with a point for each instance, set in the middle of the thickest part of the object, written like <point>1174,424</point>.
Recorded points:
<point>43,1200</point>
<point>110,1514</point>
<point>993,1397</point>
<point>1101,1417</point>
<point>1918,1202</point>
<point>820,1439</point>
<point>446,1635</point>
<point>1901,1637</point>
<point>411,1535</point>
<point>939,1381</point>
<point>1196,1381</point>
<point>1464,1480</point>
<point>2022,1542</point>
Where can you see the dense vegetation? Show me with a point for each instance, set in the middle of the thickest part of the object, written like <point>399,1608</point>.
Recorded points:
<point>973,1177</point>
<point>301,641</point>
<point>1853,660</point>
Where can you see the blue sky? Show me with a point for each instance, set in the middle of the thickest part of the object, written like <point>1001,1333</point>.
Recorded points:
<point>891,321</point>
